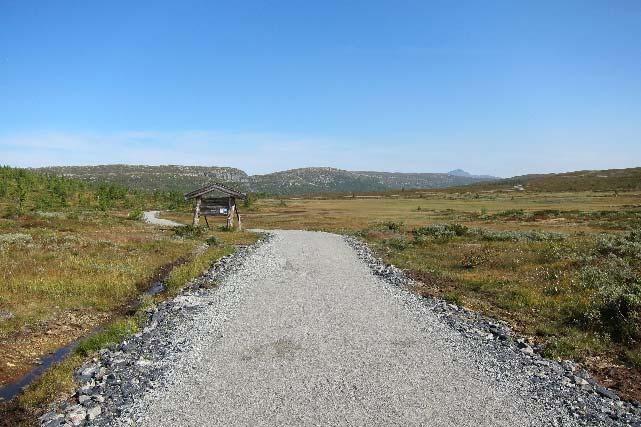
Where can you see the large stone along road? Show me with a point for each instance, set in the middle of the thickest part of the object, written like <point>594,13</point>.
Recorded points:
<point>305,334</point>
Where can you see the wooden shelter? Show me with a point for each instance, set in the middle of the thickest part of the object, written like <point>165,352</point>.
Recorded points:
<point>216,206</point>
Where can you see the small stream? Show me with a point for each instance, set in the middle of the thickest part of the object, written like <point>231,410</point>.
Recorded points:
<point>155,288</point>
<point>13,389</point>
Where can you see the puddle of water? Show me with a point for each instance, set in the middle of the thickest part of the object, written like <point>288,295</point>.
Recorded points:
<point>11,390</point>
<point>155,288</point>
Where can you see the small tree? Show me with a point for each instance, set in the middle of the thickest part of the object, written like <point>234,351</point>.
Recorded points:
<point>20,192</point>
<point>248,202</point>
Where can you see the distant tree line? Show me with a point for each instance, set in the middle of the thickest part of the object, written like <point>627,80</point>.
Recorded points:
<point>22,190</point>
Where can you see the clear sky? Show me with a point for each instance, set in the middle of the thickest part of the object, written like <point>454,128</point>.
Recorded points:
<point>496,87</point>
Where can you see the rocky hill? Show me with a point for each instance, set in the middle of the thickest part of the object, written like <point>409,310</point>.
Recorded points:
<point>461,172</point>
<point>397,180</point>
<point>167,177</point>
<point>289,182</point>
<point>314,180</point>
<point>586,180</point>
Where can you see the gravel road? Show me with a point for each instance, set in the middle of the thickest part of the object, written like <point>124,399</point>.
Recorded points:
<point>151,217</point>
<point>305,334</point>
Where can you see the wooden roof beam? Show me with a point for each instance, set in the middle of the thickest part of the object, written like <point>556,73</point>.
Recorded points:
<point>215,187</point>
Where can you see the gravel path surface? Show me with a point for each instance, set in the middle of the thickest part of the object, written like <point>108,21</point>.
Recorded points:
<point>310,328</point>
<point>151,217</point>
<point>305,334</point>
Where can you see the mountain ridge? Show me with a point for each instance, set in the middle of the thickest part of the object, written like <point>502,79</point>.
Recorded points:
<point>288,182</point>
<point>623,179</point>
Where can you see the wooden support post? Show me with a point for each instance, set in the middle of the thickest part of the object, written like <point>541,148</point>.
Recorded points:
<point>240,226</point>
<point>230,213</point>
<point>197,211</point>
<point>230,218</point>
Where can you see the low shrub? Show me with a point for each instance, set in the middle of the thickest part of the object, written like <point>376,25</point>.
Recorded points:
<point>626,245</point>
<point>513,214</point>
<point>453,297</point>
<point>476,257</point>
<point>73,215</point>
<point>633,357</point>
<point>576,343</point>
<point>392,225</point>
<point>111,334</point>
<point>398,244</point>
<point>188,231</point>
<point>458,229</point>
<point>613,275</point>
<point>15,238</point>
<point>555,251</point>
<point>212,241</point>
<point>135,215</point>
<point>248,203</point>
<point>11,211</point>
<point>517,236</point>
<point>547,213</point>
<point>441,231</point>
<point>419,239</point>
<point>615,305</point>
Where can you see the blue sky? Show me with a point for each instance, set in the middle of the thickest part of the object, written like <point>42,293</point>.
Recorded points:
<point>496,87</point>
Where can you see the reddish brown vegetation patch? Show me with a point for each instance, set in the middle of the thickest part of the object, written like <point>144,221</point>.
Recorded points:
<point>626,381</point>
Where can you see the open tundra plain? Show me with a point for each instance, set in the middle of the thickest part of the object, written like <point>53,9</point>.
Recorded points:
<point>503,308</point>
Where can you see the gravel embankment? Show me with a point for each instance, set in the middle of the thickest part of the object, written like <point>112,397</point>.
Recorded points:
<point>310,329</point>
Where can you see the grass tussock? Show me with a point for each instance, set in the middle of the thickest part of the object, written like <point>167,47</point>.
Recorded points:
<point>111,334</point>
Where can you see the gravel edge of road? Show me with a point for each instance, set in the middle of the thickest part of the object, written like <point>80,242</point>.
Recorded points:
<point>111,382</point>
<point>558,384</point>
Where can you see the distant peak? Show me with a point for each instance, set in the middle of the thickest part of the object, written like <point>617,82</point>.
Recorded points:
<point>459,172</point>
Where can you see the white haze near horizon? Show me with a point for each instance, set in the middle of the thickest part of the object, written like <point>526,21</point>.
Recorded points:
<point>260,153</point>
